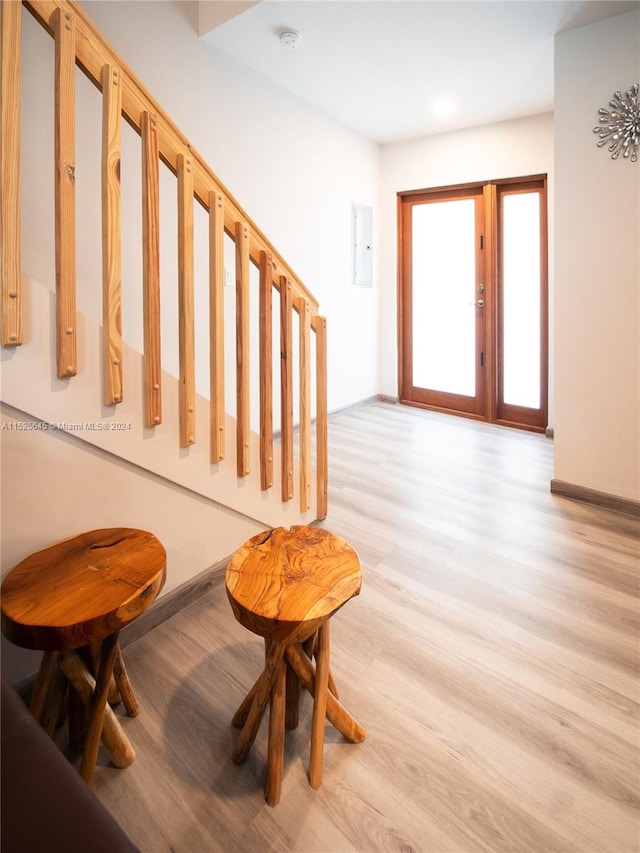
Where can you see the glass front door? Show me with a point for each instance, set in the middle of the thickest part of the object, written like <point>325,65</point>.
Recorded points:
<point>473,301</point>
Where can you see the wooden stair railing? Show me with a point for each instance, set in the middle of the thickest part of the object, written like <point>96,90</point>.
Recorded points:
<point>78,42</point>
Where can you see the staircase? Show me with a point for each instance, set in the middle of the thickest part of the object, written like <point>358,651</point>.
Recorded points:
<point>72,373</point>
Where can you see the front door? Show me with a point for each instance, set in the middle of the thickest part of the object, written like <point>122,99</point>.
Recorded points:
<point>472,301</point>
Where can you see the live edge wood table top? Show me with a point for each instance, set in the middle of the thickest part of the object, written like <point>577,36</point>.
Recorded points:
<point>284,584</point>
<point>82,589</point>
<point>70,600</point>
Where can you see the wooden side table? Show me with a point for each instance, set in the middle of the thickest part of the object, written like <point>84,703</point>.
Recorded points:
<point>285,585</point>
<point>70,600</point>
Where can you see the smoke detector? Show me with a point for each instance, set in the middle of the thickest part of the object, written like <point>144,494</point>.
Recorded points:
<point>290,39</point>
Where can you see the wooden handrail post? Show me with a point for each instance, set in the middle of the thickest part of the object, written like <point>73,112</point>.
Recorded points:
<point>65,211</point>
<point>242,348</point>
<point>286,384</point>
<point>266,371</point>
<point>151,270</point>
<point>322,466</point>
<point>186,331</point>
<point>305,405</point>
<point>111,250</point>
<point>216,326</point>
<point>10,17</point>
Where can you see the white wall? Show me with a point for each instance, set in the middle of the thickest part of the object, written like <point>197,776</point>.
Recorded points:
<point>597,266</point>
<point>506,150</point>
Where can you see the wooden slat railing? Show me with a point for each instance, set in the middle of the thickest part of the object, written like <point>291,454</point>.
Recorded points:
<point>78,42</point>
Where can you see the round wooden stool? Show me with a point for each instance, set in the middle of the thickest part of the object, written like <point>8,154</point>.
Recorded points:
<point>71,600</point>
<point>285,585</point>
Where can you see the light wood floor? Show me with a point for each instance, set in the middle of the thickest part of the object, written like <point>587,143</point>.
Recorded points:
<point>492,658</point>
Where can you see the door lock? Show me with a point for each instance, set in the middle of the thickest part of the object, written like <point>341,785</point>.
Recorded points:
<point>480,303</point>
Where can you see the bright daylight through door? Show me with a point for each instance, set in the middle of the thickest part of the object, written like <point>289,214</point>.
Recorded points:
<point>443,317</point>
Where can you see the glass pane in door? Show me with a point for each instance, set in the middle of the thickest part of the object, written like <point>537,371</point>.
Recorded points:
<point>443,294</point>
<point>521,299</point>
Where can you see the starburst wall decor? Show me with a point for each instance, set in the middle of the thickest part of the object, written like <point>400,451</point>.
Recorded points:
<point>620,125</point>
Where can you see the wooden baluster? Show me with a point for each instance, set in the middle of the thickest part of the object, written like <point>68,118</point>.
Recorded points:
<point>10,174</point>
<point>186,332</point>
<point>111,251</point>
<point>65,208</point>
<point>216,325</point>
<point>322,466</point>
<point>304,311</point>
<point>242,348</point>
<point>151,269</point>
<point>266,371</point>
<point>286,385</point>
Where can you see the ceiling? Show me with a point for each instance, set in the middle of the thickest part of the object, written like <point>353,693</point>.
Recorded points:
<point>383,67</point>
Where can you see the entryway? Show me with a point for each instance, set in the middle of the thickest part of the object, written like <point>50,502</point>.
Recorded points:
<point>473,300</point>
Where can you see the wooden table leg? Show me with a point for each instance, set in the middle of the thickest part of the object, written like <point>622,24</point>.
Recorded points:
<point>261,693</point>
<point>98,705</point>
<point>48,693</point>
<point>77,721</point>
<point>292,704</point>
<point>337,714</point>
<point>81,680</point>
<point>129,698</point>
<point>44,680</point>
<point>94,653</point>
<point>319,706</point>
<point>275,751</point>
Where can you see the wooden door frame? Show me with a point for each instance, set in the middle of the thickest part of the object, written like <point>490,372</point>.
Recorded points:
<point>510,415</point>
<point>405,341</point>
<point>492,302</point>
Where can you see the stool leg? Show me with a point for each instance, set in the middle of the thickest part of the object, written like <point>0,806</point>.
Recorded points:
<point>275,753</point>
<point>115,740</point>
<point>332,685</point>
<point>77,721</point>
<point>319,706</point>
<point>240,716</point>
<point>44,681</point>
<point>95,650</point>
<point>98,704</point>
<point>47,700</point>
<point>293,699</point>
<point>261,693</point>
<point>124,685</point>
<point>337,714</point>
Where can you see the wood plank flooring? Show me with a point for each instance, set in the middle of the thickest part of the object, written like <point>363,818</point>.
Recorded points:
<point>492,658</point>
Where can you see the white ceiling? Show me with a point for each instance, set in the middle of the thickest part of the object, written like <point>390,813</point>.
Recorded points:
<point>379,66</point>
